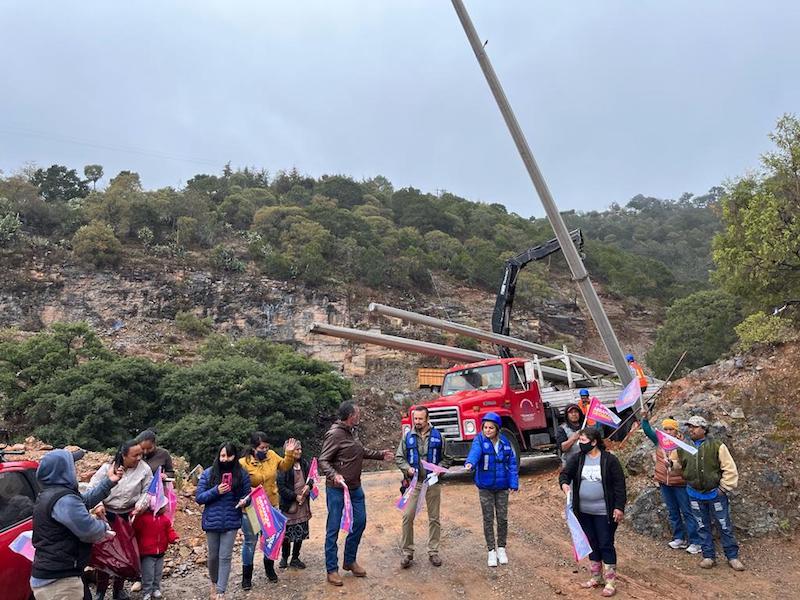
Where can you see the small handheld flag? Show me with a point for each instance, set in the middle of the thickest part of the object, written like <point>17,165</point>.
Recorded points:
<point>629,396</point>
<point>313,475</point>
<point>580,543</point>
<point>602,414</point>
<point>670,443</point>
<point>432,468</point>
<point>403,500</point>
<point>346,523</point>
<point>156,497</point>
<point>23,545</point>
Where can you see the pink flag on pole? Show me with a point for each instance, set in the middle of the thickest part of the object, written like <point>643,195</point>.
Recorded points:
<point>602,414</point>
<point>313,475</point>
<point>580,543</point>
<point>272,522</point>
<point>402,501</point>
<point>670,443</point>
<point>23,545</point>
<point>346,523</point>
<point>629,396</point>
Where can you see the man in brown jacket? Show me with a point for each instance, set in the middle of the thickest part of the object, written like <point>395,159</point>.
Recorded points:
<point>341,459</point>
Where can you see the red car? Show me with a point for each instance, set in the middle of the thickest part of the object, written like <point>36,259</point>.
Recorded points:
<point>18,490</point>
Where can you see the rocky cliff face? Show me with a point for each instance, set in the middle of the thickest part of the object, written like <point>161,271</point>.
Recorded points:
<point>134,308</point>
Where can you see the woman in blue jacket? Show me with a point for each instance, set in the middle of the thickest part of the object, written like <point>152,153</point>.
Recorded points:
<point>495,464</point>
<point>222,515</point>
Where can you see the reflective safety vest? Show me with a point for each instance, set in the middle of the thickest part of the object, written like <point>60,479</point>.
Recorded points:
<point>435,449</point>
<point>639,372</point>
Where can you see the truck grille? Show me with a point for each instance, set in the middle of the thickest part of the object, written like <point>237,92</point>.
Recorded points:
<point>447,421</point>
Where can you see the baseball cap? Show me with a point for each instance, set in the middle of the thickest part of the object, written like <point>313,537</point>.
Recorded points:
<point>697,421</point>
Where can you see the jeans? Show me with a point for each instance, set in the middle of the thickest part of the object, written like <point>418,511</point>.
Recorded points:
<point>601,537</point>
<point>334,498</point>
<point>249,544</point>
<point>220,549</point>
<point>494,502</point>
<point>152,567</point>
<point>706,512</point>
<point>681,520</point>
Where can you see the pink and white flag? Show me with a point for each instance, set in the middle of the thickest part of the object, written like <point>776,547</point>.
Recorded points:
<point>313,475</point>
<point>602,414</point>
<point>670,443</point>
<point>432,468</point>
<point>629,396</point>
<point>346,523</point>
<point>403,500</point>
<point>23,545</point>
<point>580,543</point>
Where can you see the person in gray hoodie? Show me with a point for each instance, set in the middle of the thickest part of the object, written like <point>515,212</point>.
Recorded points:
<point>63,529</point>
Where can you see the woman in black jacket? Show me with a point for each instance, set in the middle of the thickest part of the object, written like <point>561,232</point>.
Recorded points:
<point>294,488</point>
<point>597,483</point>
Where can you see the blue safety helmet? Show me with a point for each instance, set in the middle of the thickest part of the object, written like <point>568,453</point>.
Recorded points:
<point>629,358</point>
<point>584,392</point>
<point>492,418</point>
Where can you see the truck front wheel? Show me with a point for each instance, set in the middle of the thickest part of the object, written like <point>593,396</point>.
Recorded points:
<point>512,439</point>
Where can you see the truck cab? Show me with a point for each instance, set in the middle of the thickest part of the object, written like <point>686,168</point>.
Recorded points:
<point>504,386</point>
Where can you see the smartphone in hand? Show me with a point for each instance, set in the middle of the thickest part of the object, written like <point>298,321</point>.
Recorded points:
<point>227,479</point>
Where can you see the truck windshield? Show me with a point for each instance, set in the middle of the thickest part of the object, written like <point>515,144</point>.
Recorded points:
<point>478,378</point>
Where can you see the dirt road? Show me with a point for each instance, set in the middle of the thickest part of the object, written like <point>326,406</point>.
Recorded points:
<point>541,564</point>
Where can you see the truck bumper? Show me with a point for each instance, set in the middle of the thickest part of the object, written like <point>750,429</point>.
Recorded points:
<point>457,449</point>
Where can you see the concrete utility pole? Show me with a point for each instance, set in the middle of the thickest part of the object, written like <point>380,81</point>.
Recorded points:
<point>574,261</point>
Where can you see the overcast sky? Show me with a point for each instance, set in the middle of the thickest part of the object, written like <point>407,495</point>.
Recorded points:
<point>616,97</point>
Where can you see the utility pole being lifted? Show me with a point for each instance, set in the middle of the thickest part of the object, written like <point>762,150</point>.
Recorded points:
<point>574,261</point>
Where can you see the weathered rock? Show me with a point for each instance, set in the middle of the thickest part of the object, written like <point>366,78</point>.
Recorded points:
<point>648,515</point>
<point>640,461</point>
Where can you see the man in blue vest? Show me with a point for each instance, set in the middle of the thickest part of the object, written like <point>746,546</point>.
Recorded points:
<point>422,442</point>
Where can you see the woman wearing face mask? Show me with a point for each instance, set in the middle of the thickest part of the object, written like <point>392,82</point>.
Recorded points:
<point>262,466</point>
<point>222,515</point>
<point>597,483</point>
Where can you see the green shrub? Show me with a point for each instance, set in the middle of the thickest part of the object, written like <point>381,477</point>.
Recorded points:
<point>97,244</point>
<point>225,259</point>
<point>760,328</point>
<point>193,325</point>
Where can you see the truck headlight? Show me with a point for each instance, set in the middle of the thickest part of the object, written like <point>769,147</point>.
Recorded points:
<point>469,426</point>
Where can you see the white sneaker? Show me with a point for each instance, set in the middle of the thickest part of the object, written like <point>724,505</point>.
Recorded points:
<point>502,557</point>
<point>492,558</point>
<point>678,544</point>
<point>694,549</point>
<point>147,597</point>
<point>157,594</point>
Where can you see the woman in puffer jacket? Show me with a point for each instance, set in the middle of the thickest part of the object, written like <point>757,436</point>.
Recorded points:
<point>223,489</point>
<point>496,472</point>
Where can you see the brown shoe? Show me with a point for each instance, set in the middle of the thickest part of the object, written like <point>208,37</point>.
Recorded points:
<point>736,564</point>
<point>435,560</point>
<point>335,579</point>
<point>406,561</point>
<point>355,569</point>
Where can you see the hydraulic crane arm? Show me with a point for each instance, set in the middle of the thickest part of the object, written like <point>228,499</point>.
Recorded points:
<point>501,316</point>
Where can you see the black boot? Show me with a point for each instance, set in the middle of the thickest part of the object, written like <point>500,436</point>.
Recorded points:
<point>247,577</point>
<point>296,562</point>
<point>269,568</point>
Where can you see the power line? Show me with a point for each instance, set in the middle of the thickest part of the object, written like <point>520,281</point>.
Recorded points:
<point>126,149</point>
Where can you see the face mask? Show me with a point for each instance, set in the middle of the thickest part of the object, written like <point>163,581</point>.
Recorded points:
<point>261,454</point>
<point>585,448</point>
<point>226,465</point>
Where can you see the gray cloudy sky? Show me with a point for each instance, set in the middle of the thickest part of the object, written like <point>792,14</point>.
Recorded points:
<point>616,97</point>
